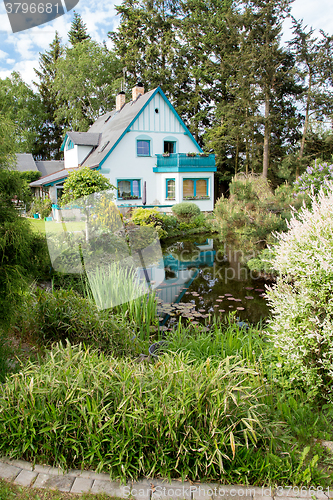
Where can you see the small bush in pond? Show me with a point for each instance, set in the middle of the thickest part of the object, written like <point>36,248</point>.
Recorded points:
<point>185,211</point>
<point>301,301</point>
<point>176,418</point>
<point>150,217</point>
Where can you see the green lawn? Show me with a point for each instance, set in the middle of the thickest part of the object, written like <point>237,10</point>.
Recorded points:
<point>38,225</point>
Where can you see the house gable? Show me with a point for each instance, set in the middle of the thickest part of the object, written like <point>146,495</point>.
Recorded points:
<point>157,100</point>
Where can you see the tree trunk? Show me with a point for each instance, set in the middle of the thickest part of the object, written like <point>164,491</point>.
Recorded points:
<point>266,138</point>
<point>306,125</point>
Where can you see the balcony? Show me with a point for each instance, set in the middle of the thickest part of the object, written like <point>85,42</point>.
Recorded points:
<point>182,162</point>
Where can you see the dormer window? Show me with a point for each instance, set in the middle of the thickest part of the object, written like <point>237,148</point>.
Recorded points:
<point>70,144</point>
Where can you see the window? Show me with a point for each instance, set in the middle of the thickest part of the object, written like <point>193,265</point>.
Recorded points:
<point>169,147</point>
<point>70,144</point>
<point>195,188</point>
<point>143,148</point>
<point>129,189</point>
<point>170,189</point>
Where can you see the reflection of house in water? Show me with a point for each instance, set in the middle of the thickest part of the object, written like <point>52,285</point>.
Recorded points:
<point>180,273</point>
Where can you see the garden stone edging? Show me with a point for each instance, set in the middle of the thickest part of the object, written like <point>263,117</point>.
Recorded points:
<point>23,473</point>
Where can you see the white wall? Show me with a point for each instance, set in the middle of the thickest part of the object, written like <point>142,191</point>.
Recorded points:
<point>73,157</point>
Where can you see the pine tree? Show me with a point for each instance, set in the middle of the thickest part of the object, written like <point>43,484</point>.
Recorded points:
<point>78,31</point>
<point>52,131</point>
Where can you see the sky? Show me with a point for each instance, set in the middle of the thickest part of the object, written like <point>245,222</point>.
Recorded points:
<point>20,51</point>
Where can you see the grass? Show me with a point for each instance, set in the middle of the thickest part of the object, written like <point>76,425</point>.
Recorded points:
<point>38,225</point>
<point>10,492</point>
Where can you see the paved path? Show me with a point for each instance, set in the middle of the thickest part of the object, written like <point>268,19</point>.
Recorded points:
<point>76,481</point>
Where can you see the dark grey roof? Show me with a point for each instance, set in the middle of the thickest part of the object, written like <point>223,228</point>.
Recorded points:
<point>57,176</point>
<point>50,167</point>
<point>84,138</point>
<point>25,162</point>
<point>111,126</point>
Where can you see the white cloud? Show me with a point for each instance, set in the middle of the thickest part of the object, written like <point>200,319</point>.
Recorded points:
<point>25,68</point>
<point>3,54</point>
<point>10,61</point>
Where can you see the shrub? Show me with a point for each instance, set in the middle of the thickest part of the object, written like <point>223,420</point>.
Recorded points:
<point>185,211</point>
<point>41,206</point>
<point>81,409</point>
<point>301,301</point>
<point>150,217</point>
<point>64,315</point>
<point>314,178</point>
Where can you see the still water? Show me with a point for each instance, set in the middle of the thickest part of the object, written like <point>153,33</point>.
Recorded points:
<point>204,277</point>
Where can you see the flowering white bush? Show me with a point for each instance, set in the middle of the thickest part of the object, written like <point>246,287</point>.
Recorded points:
<point>302,299</point>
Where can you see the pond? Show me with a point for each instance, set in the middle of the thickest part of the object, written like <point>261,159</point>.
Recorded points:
<point>204,277</point>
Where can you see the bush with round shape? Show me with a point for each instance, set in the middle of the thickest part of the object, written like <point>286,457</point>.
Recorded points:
<point>185,211</point>
<point>301,301</point>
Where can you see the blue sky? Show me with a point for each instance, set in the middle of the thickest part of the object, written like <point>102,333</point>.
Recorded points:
<point>19,51</point>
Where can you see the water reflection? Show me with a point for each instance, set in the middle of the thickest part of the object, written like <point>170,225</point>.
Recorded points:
<point>209,277</point>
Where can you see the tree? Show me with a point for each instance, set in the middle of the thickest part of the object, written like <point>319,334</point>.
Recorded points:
<point>7,143</point>
<point>314,60</point>
<point>92,75</point>
<point>78,32</point>
<point>82,183</point>
<point>51,133</point>
<point>22,107</point>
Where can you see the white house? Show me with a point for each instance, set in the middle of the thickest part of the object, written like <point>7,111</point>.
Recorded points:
<point>145,150</point>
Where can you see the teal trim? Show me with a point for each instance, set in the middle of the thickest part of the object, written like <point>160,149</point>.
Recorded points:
<point>182,160</point>
<point>137,146</point>
<point>166,187</point>
<point>63,143</point>
<point>56,182</point>
<point>131,183</point>
<point>157,91</point>
<point>173,170</point>
<point>70,145</point>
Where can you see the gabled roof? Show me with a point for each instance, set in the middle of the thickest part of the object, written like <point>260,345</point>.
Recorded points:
<point>81,139</point>
<point>52,178</point>
<point>48,167</point>
<point>114,125</point>
<point>25,162</point>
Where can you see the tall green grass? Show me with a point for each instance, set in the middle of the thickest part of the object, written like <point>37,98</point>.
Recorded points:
<point>218,341</point>
<point>118,288</point>
<point>81,409</point>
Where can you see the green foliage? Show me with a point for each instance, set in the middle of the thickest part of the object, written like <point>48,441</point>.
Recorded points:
<point>83,182</point>
<point>253,212</point>
<point>263,262</point>
<point>20,106</point>
<point>150,217</point>
<point>185,211</point>
<point>41,206</point>
<point>7,143</point>
<point>65,315</point>
<point>302,322</point>
<point>314,178</point>
<point>92,75</point>
<point>51,133</point>
<point>176,399</point>
<point>78,32</point>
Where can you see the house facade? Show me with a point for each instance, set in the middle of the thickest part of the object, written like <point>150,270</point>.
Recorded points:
<point>145,150</point>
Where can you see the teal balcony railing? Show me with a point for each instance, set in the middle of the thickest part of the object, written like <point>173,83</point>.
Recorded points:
<point>179,160</point>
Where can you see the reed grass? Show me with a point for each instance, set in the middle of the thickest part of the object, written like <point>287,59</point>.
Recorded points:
<point>176,418</point>
<point>119,288</point>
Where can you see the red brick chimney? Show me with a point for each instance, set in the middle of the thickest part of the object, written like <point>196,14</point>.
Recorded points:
<point>120,101</point>
<point>137,90</point>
